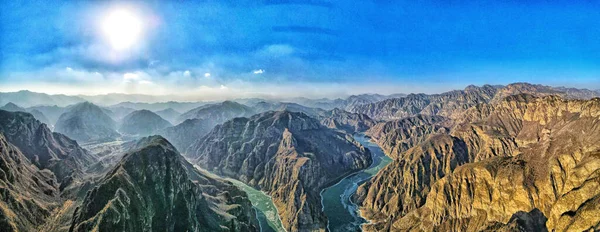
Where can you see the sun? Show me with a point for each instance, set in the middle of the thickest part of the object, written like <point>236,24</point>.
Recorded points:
<point>122,29</point>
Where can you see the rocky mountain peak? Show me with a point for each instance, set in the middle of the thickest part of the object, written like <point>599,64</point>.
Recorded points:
<point>87,122</point>
<point>287,154</point>
<point>293,121</point>
<point>13,107</point>
<point>142,122</point>
<point>152,187</point>
<point>44,148</point>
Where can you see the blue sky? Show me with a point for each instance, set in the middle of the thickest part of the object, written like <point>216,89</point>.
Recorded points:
<point>302,47</point>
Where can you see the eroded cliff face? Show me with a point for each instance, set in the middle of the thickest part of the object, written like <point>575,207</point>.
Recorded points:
<point>346,121</point>
<point>44,148</point>
<point>523,153</point>
<point>397,136</point>
<point>27,195</point>
<point>449,104</point>
<point>154,189</point>
<point>289,155</point>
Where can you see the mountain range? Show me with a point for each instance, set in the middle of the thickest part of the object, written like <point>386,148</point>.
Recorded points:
<point>520,157</point>
<point>86,122</point>
<point>289,155</point>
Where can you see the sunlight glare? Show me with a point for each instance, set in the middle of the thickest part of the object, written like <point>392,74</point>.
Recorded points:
<point>122,29</point>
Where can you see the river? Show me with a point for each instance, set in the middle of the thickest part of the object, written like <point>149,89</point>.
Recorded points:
<point>337,203</point>
<point>266,213</point>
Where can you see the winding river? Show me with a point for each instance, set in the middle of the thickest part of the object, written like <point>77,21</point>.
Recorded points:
<point>266,213</point>
<point>337,203</point>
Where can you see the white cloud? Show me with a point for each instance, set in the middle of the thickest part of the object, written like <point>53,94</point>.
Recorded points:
<point>187,73</point>
<point>130,76</point>
<point>69,69</point>
<point>223,87</point>
<point>258,71</point>
<point>207,75</point>
<point>276,50</point>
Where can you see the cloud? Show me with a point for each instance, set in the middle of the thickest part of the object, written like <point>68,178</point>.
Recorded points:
<point>187,73</point>
<point>258,71</point>
<point>130,76</point>
<point>276,50</point>
<point>206,74</point>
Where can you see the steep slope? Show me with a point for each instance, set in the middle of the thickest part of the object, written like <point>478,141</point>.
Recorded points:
<point>28,195</point>
<point>289,155</point>
<point>449,104</point>
<point>453,103</point>
<point>345,104</point>
<point>526,88</point>
<point>44,148</point>
<point>361,99</point>
<point>41,117</point>
<point>168,114</point>
<point>397,136</point>
<point>142,122</point>
<point>154,189</point>
<point>346,121</point>
<point>86,122</point>
<point>51,112</point>
<point>185,133</point>
<point>520,154</point>
<point>394,108</point>
<point>12,107</point>
<point>292,107</point>
<point>574,93</point>
<point>36,113</point>
<point>218,113</point>
<point>117,113</point>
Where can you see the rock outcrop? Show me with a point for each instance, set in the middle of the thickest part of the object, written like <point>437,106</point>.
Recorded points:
<point>45,149</point>
<point>218,113</point>
<point>289,155</point>
<point>450,104</point>
<point>86,122</point>
<point>500,160</point>
<point>41,117</point>
<point>36,113</point>
<point>27,194</point>
<point>154,189</point>
<point>397,136</point>
<point>346,121</point>
<point>184,134</point>
<point>12,107</point>
<point>453,103</point>
<point>142,122</point>
<point>263,106</point>
<point>169,114</point>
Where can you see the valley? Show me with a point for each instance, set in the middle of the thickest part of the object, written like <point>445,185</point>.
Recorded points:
<point>341,211</point>
<point>446,161</point>
<point>299,116</point>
